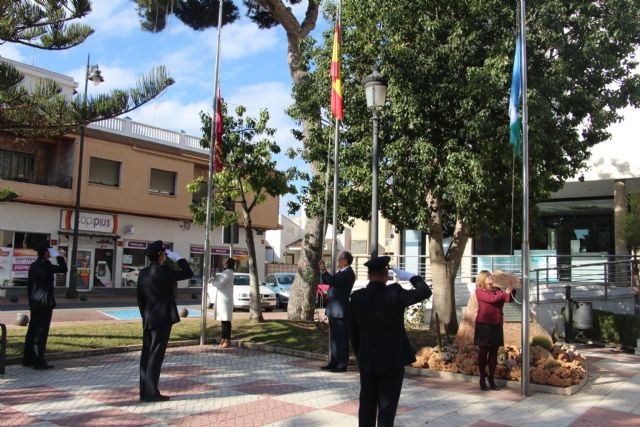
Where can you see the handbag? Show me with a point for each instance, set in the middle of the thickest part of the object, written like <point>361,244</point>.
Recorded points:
<point>40,298</point>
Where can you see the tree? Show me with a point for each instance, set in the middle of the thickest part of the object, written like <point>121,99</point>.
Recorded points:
<point>445,160</point>
<point>249,177</point>
<point>51,25</point>
<point>631,232</point>
<point>268,14</point>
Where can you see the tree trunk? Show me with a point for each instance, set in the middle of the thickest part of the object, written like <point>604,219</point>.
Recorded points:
<point>303,291</point>
<point>255,312</point>
<point>444,268</point>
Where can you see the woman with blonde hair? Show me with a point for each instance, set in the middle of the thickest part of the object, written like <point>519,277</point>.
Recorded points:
<point>488,333</point>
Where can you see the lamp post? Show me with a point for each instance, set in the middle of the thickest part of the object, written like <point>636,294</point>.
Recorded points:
<point>375,88</point>
<point>92,73</point>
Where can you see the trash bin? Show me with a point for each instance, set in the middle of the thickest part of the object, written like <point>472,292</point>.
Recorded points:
<point>582,315</point>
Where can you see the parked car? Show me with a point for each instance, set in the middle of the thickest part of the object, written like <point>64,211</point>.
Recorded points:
<point>281,285</point>
<point>241,293</point>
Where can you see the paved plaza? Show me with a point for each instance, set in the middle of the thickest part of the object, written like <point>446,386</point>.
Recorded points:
<point>242,387</point>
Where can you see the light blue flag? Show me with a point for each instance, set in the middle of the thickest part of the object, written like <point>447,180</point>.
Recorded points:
<point>515,119</point>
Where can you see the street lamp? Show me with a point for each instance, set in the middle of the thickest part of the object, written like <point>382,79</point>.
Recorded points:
<point>92,73</point>
<point>375,88</point>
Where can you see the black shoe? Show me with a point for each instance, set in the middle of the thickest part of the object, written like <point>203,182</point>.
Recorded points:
<point>493,386</point>
<point>483,386</point>
<point>42,366</point>
<point>327,367</point>
<point>339,369</point>
<point>27,364</point>
<point>156,398</point>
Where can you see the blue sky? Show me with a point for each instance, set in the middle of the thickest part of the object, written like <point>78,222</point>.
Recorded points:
<point>253,73</point>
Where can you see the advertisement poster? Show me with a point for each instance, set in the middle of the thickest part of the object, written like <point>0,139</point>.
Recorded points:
<point>5,266</point>
<point>22,259</point>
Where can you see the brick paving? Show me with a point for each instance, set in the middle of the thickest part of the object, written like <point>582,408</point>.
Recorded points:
<point>242,387</point>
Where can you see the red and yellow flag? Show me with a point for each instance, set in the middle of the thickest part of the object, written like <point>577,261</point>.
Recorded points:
<point>336,83</point>
<point>217,148</point>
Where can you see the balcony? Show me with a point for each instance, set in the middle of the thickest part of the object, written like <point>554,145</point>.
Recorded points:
<point>30,177</point>
<point>127,127</point>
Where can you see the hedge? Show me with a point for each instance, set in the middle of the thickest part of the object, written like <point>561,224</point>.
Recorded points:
<point>617,328</point>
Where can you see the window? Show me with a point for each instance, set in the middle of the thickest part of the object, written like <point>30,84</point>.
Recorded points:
<point>105,172</point>
<point>163,182</point>
<point>16,166</point>
<point>230,234</point>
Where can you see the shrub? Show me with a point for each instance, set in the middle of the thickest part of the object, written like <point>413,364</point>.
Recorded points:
<point>543,342</point>
<point>617,328</point>
<point>552,364</point>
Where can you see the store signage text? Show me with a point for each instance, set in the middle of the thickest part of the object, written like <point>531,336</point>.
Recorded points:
<point>90,221</point>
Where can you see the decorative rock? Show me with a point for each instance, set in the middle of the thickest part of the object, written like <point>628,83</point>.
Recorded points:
<point>184,312</point>
<point>22,319</point>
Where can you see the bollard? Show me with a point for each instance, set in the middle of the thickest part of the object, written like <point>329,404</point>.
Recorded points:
<point>3,346</point>
<point>569,323</point>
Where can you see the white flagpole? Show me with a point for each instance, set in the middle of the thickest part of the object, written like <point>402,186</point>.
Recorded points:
<point>525,209</point>
<point>206,265</point>
<point>334,236</point>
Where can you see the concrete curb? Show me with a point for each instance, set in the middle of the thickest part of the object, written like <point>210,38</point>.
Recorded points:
<point>564,391</point>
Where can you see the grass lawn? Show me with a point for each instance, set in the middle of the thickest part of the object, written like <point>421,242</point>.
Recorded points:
<point>305,336</point>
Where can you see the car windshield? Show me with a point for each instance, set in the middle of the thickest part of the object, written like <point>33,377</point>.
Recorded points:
<point>286,279</point>
<point>241,280</point>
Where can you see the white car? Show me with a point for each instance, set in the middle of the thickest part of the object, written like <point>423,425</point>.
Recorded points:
<point>130,275</point>
<point>241,293</point>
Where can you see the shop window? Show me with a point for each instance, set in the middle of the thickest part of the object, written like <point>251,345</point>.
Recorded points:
<point>16,166</point>
<point>162,182</point>
<point>105,172</point>
<point>230,234</point>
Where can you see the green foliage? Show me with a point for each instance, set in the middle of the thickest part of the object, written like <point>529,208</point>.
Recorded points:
<point>197,14</point>
<point>631,221</point>
<point>44,24</point>
<point>542,341</point>
<point>552,364</point>
<point>52,25</point>
<point>615,328</point>
<point>7,194</point>
<point>249,174</point>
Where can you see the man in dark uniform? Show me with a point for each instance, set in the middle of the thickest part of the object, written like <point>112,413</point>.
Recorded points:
<point>376,325</point>
<point>42,301</point>
<point>340,286</point>
<point>156,300</point>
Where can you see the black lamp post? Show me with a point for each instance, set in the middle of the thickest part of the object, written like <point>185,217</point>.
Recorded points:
<point>375,87</point>
<point>92,73</point>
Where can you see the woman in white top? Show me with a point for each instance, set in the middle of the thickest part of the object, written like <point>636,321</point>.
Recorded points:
<point>224,300</point>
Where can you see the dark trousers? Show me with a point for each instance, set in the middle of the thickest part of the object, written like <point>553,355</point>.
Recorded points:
<point>487,356</point>
<point>381,393</point>
<point>225,325</point>
<point>35,343</point>
<point>154,346</point>
<point>339,341</point>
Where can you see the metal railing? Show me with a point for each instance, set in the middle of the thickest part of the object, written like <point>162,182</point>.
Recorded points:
<point>30,177</point>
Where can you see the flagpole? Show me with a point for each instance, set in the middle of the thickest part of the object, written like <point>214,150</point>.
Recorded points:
<point>206,265</point>
<point>525,209</point>
<point>336,145</point>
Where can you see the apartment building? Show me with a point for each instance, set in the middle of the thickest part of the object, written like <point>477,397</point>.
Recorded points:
<point>133,191</point>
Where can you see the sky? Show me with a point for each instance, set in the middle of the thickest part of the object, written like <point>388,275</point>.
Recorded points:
<point>253,73</point>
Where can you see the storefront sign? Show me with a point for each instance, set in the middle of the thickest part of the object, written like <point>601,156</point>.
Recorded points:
<point>90,221</point>
<point>136,244</point>
<point>22,259</point>
<point>197,249</point>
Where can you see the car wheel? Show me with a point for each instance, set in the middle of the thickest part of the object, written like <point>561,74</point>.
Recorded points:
<point>210,305</point>
<point>268,309</point>
<point>131,283</point>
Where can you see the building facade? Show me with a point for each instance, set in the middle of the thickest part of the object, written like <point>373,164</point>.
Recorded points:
<point>133,191</point>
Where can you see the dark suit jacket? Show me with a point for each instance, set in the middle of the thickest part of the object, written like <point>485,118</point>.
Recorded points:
<point>340,287</point>
<point>156,300</point>
<point>376,325</point>
<point>40,282</point>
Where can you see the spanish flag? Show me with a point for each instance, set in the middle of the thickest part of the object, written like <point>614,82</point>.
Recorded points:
<point>217,148</point>
<point>336,83</point>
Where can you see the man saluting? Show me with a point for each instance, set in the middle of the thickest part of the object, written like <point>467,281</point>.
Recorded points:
<point>376,325</point>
